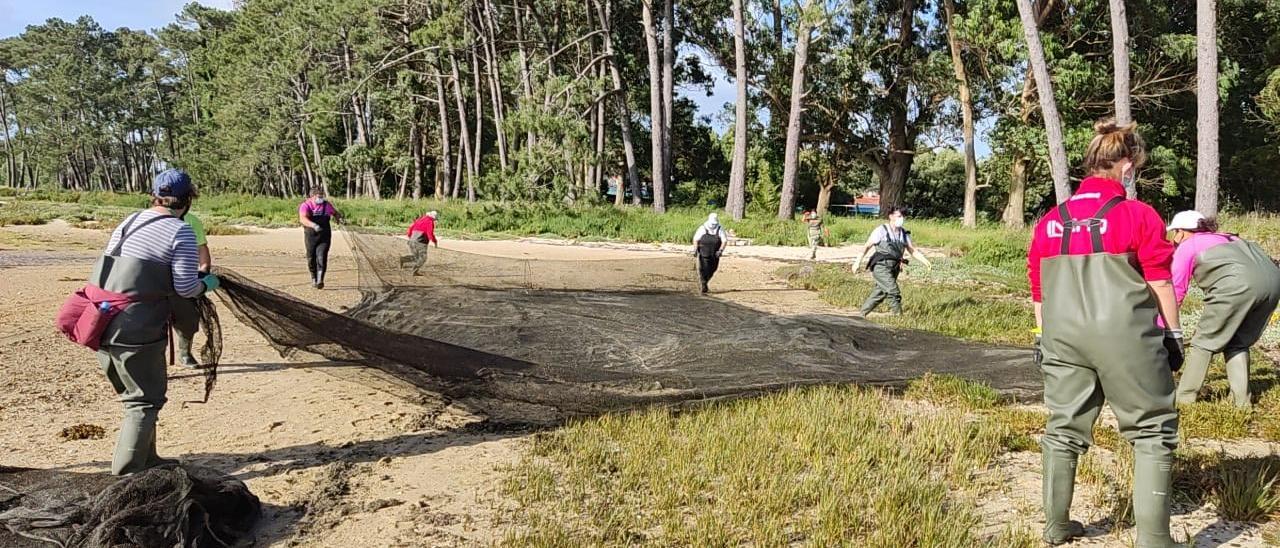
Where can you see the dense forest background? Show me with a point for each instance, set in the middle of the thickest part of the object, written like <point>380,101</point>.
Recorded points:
<point>551,100</point>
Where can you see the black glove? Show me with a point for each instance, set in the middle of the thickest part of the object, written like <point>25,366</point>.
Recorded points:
<point>1173,345</point>
<point>1039,352</point>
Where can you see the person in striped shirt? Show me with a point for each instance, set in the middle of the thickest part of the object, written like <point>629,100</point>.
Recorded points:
<point>151,258</point>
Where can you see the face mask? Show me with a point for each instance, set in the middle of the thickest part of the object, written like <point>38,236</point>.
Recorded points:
<point>897,223</point>
<point>1129,179</point>
<point>319,200</point>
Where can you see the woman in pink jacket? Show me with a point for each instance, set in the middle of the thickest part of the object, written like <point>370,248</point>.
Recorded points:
<point>1241,287</point>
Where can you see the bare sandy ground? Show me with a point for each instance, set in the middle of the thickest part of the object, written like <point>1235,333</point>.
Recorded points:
<point>339,456</point>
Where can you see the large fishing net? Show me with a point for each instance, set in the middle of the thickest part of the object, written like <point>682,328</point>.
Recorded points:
<point>529,338</point>
<point>165,506</point>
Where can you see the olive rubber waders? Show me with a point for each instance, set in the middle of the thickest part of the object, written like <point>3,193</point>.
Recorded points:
<point>1241,287</point>
<point>132,354</point>
<point>1101,343</point>
<point>186,321</point>
<point>815,239</point>
<point>886,264</point>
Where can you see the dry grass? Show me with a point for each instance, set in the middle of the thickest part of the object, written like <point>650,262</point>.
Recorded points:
<point>821,466</point>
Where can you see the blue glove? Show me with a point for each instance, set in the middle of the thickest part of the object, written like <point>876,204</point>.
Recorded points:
<point>211,282</point>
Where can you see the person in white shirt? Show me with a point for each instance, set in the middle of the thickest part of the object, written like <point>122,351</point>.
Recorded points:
<point>709,240</point>
<point>892,244</point>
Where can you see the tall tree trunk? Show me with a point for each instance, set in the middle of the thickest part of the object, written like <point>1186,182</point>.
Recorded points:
<point>736,202</point>
<point>601,130</point>
<point>657,119</point>
<point>479,117</point>
<point>970,218</point>
<point>526,79</point>
<point>495,82</point>
<point>604,11</point>
<point>1207,108</point>
<point>791,155</point>
<point>1015,210</point>
<point>1048,105</point>
<point>465,132</point>
<point>446,155</point>
<point>415,150</point>
<point>315,153</point>
<point>668,89</point>
<point>824,192</point>
<point>1120,61</point>
<point>11,171</point>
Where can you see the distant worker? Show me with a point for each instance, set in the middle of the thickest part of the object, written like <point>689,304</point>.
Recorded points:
<point>1099,268</point>
<point>316,215</point>
<point>186,319</point>
<point>892,243</point>
<point>817,233</point>
<point>152,259</point>
<point>421,233</point>
<point>1241,288</point>
<point>709,240</point>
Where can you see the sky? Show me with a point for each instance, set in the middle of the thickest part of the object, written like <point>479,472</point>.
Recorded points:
<point>15,15</point>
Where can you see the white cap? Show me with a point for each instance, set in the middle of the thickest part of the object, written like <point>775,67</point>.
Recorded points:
<point>432,214</point>
<point>1185,220</point>
<point>713,218</point>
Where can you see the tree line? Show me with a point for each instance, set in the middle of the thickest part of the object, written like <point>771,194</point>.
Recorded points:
<point>575,102</point>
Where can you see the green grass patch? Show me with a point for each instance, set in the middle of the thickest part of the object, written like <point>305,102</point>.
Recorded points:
<point>1022,426</point>
<point>1218,420</point>
<point>818,466</point>
<point>953,391</point>
<point>962,310</point>
<point>584,222</point>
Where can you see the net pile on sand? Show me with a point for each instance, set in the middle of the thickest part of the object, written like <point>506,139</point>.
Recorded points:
<point>587,337</point>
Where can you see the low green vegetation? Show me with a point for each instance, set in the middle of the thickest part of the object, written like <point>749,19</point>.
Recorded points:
<point>819,466</point>
<point>590,222</point>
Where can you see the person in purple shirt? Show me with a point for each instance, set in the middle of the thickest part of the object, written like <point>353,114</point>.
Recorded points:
<point>1241,287</point>
<point>316,213</point>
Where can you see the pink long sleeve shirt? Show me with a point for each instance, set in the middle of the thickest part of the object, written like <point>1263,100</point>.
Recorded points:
<point>1184,258</point>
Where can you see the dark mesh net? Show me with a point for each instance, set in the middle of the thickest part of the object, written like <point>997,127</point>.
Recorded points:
<point>211,350</point>
<point>585,337</point>
<point>170,505</point>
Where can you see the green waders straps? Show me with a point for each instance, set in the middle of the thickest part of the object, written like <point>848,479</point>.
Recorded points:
<point>1094,224</point>
<point>1238,377</point>
<point>1059,488</point>
<point>1193,372</point>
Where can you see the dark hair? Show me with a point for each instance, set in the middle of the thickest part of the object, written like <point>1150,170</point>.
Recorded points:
<point>174,202</point>
<point>1113,143</point>
<point>317,191</point>
<point>896,209</point>
<point>1207,224</point>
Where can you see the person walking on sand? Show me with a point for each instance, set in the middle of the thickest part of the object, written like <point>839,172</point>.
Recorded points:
<point>816,232</point>
<point>151,259</point>
<point>1241,288</point>
<point>709,242</point>
<point>316,215</point>
<point>892,242</point>
<point>186,318</point>
<point>421,233</point>
<point>1099,269</point>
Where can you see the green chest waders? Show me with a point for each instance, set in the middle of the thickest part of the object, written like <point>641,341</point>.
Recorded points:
<point>133,350</point>
<point>1241,287</point>
<point>815,239</point>
<point>885,265</point>
<point>1101,342</point>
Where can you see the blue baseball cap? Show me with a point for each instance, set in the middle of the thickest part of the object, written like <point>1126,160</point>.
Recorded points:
<point>172,182</point>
